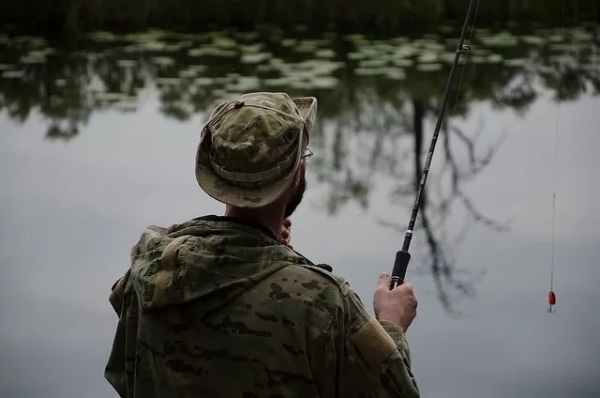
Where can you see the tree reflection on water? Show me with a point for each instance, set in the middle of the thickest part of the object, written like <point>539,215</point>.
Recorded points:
<point>374,96</point>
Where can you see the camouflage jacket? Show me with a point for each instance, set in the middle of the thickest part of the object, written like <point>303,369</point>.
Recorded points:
<point>218,308</point>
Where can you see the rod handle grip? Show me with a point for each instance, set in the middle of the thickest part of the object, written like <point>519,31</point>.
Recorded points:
<point>400,267</point>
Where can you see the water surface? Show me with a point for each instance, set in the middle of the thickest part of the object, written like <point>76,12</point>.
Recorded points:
<point>96,145</point>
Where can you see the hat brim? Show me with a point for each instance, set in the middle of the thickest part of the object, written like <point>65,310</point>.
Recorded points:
<point>237,196</point>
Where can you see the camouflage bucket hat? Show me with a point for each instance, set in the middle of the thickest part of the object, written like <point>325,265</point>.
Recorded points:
<point>251,147</point>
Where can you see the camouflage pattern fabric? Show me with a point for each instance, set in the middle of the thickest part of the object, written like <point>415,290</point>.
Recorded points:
<point>214,307</point>
<point>251,147</point>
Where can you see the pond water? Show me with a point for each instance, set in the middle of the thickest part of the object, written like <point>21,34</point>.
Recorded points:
<point>98,144</point>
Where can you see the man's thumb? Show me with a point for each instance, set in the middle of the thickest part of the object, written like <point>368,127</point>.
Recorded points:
<point>384,280</point>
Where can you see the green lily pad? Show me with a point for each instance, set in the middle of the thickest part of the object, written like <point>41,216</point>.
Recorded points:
<point>13,74</point>
<point>244,84</point>
<point>255,58</point>
<point>224,42</point>
<point>163,61</point>
<point>516,62</point>
<point>277,82</point>
<point>429,67</point>
<point>212,51</point>
<point>252,49</point>
<point>405,63</point>
<point>361,71</point>
<point>103,36</point>
<point>357,55</point>
<point>533,40</point>
<point>373,63</point>
<point>325,53</point>
<point>126,63</point>
<point>204,81</point>
<point>501,39</point>
<point>33,58</point>
<point>395,74</point>
<point>324,82</point>
<point>428,57</point>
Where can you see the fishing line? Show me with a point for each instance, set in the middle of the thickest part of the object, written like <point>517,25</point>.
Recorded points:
<point>551,294</point>
<point>403,256</point>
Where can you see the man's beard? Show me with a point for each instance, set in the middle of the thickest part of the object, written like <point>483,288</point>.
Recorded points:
<point>296,199</point>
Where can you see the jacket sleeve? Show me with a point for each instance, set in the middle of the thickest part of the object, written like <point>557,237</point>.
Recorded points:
<point>375,354</point>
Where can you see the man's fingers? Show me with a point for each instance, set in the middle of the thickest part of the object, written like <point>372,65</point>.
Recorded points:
<point>384,280</point>
<point>287,223</point>
<point>285,234</point>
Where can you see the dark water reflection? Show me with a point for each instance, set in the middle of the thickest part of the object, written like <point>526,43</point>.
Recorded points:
<point>99,142</point>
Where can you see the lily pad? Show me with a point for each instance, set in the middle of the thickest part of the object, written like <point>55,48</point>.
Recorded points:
<point>189,73</point>
<point>163,61</point>
<point>361,71</point>
<point>212,51</point>
<point>244,84</point>
<point>152,45</point>
<point>373,63</point>
<point>429,67</point>
<point>204,81</point>
<point>325,53</point>
<point>516,62</point>
<point>533,40</point>
<point>405,63</point>
<point>126,63</point>
<point>357,55</point>
<point>581,35</point>
<point>255,58</point>
<point>324,82</point>
<point>13,74</point>
<point>395,74</point>
<point>428,57</point>
<point>254,48</point>
<point>34,58</point>
<point>501,39</point>
<point>277,82</point>
<point>103,36</point>
<point>224,42</point>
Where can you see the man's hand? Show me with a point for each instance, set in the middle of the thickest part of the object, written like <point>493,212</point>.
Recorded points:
<point>285,236</point>
<point>398,305</point>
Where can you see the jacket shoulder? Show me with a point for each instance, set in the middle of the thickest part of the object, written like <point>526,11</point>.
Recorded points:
<point>324,271</point>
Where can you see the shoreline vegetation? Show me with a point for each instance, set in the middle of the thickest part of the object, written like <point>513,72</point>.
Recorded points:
<point>371,17</point>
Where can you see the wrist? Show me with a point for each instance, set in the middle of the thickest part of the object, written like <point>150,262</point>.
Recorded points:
<point>383,317</point>
<point>390,319</point>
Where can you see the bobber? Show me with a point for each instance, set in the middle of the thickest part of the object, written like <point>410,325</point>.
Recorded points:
<point>551,301</point>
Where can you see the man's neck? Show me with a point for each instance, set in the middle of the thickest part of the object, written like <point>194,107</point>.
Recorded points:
<point>267,217</point>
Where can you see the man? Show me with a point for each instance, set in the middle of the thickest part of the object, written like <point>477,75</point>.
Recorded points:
<point>222,306</point>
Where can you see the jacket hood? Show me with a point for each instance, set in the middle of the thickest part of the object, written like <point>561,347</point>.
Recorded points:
<point>212,258</point>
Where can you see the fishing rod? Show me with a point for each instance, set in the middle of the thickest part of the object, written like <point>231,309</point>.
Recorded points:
<point>403,256</point>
